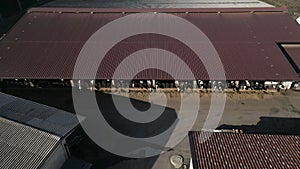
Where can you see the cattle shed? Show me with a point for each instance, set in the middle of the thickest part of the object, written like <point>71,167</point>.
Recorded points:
<point>33,135</point>
<point>45,43</point>
<point>232,150</point>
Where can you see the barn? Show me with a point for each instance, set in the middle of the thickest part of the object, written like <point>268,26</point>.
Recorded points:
<point>254,45</point>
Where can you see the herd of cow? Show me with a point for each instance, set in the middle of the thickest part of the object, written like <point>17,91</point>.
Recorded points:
<point>156,84</point>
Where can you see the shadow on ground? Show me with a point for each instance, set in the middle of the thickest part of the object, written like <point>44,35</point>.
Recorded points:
<point>269,125</point>
<point>90,152</point>
<point>87,150</point>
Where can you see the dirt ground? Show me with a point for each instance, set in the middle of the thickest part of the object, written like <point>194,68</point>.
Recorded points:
<point>292,5</point>
<point>259,112</point>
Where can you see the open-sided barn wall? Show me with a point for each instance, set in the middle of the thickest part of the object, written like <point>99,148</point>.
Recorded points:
<point>45,44</point>
<point>293,53</point>
<point>56,159</point>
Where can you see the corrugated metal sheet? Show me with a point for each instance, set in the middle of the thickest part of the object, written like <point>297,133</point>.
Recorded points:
<point>45,44</point>
<point>157,3</point>
<point>55,121</point>
<point>229,150</point>
<point>23,147</point>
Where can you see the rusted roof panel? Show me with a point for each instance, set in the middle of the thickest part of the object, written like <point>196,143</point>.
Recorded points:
<point>229,150</point>
<point>45,44</point>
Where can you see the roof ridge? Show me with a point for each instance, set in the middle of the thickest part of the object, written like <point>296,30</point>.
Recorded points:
<point>163,10</point>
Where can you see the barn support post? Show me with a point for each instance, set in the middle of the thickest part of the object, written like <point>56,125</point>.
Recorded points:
<point>112,83</point>
<point>154,84</point>
<point>72,83</point>
<point>79,84</point>
<point>194,84</point>
<point>1,84</point>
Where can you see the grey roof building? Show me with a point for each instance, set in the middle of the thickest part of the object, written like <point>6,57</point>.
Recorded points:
<point>32,136</point>
<point>22,146</point>
<point>45,118</point>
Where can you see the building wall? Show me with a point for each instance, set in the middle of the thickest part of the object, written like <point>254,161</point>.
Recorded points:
<point>57,158</point>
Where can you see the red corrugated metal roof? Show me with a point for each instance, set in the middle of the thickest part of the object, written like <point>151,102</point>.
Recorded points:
<point>45,44</point>
<point>229,150</point>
